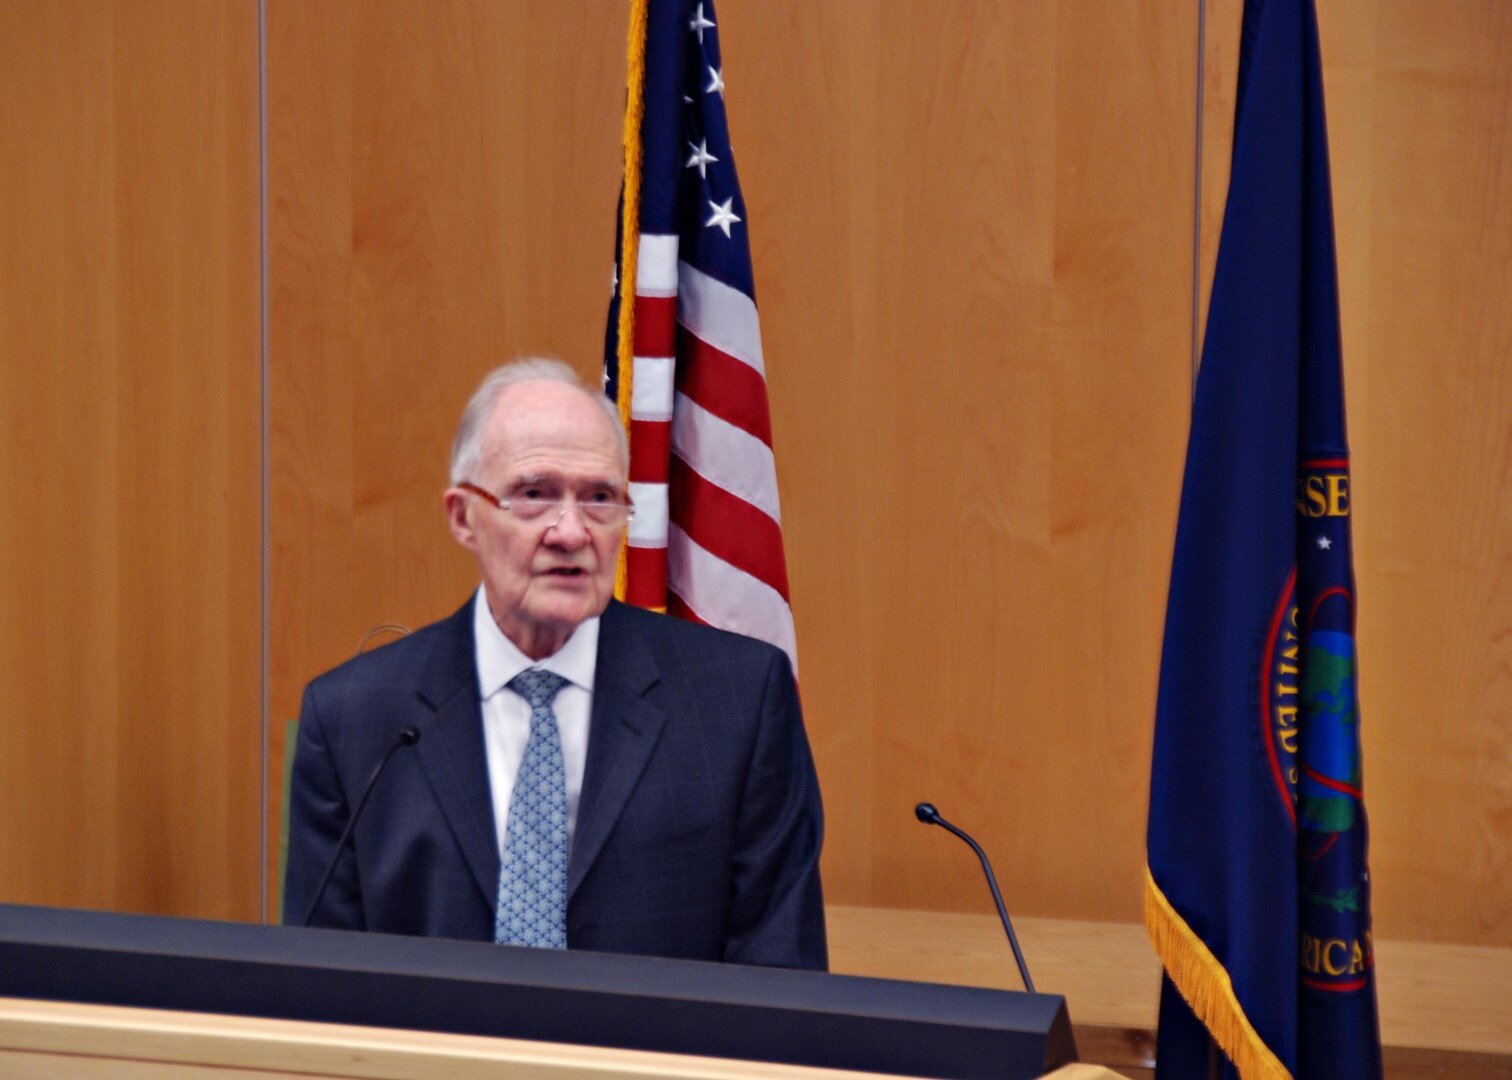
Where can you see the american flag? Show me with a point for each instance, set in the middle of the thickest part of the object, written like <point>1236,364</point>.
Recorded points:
<point>706,541</point>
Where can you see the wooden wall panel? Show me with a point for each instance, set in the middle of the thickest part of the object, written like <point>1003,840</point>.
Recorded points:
<point>129,457</point>
<point>972,253</point>
<point>1418,108</point>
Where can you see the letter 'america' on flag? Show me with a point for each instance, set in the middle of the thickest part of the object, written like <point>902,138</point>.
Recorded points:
<point>684,359</point>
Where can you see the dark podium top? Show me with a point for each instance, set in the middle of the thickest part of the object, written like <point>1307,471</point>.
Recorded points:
<point>594,999</point>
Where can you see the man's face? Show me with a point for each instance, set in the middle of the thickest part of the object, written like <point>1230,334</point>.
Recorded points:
<point>542,577</point>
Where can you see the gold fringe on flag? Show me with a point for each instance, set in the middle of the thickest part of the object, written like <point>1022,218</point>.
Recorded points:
<point>635,110</point>
<point>1207,989</point>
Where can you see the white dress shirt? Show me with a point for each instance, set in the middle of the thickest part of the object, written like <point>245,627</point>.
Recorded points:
<point>506,715</point>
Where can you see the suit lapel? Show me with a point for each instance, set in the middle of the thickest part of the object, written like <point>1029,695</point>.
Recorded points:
<point>622,732</point>
<point>452,751</point>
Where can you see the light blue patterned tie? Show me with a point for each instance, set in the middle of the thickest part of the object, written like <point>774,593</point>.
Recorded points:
<point>533,876</point>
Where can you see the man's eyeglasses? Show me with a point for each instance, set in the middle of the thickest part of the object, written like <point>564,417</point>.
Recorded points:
<point>536,502</point>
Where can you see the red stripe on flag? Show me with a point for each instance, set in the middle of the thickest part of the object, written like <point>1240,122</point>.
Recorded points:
<point>731,390</point>
<point>645,576</point>
<point>655,325</point>
<point>727,526</point>
<point>650,448</point>
<point>677,606</point>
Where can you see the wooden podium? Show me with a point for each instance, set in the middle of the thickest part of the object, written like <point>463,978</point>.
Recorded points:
<point>125,996</point>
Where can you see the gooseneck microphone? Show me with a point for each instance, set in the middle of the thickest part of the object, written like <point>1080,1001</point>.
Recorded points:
<point>408,736</point>
<point>927,813</point>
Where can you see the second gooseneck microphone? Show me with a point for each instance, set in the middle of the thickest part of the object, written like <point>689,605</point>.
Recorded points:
<point>927,813</point>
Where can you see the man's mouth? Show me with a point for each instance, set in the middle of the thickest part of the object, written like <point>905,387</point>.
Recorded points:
<point>566,571</point>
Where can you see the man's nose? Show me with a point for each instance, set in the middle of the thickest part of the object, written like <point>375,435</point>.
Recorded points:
<point>570,529</point>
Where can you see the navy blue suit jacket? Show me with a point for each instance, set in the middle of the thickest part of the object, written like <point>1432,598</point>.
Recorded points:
<point>698,828</point>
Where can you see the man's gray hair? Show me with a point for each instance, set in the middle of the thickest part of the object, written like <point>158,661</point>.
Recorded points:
<point>465,447</point>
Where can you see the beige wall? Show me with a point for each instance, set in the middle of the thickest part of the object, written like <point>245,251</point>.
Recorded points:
<point>973,238</point>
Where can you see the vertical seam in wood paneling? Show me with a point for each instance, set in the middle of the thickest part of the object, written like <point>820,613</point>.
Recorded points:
<point>262,168</point>
<point>1197,198</point>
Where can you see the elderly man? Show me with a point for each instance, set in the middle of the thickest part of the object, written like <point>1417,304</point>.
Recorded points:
<point>583,774</point>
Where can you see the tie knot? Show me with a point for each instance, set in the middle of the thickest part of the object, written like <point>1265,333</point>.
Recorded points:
<point>536,686</point>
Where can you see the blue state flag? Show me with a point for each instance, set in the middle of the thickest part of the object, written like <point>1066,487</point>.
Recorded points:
<point>1258,895</point>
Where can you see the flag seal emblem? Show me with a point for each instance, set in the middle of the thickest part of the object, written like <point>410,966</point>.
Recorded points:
<point>1309,718</point>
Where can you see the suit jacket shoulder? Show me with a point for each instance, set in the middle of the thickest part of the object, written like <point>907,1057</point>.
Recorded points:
<point>434,660</point>
<point>631,637</point>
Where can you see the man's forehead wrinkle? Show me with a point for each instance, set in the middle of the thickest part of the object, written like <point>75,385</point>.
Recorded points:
<point>551,459</point>
<point>506,474</point>
<point>555,477</point>
<point>564,441</point>
<point>557,463</point>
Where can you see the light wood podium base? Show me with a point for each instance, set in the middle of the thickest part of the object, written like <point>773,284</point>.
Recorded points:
<point>45,1039</point>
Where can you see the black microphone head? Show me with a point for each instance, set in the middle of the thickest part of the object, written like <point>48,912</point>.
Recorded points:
<point>409,736</point>
<point>927,813</point>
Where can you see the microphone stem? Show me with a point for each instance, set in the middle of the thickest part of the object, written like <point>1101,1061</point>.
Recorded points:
<point>407,737</point>
<point>997,898</point>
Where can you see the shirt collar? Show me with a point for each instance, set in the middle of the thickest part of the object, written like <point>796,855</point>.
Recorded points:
<point>499,659</point>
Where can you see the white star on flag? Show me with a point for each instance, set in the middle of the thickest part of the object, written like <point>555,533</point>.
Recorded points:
<point>1324,543</point>
<point>699,24</point>
<point>701,157</point>
<point>716,82</point>
<point>723,215</point>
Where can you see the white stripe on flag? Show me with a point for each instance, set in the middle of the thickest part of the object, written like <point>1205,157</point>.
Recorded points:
<point>727,597</point>
<point>725,455</point>
<point>723,316</point>
<point>648,528</point>
<point>656,265</point>
<point>651,390</point>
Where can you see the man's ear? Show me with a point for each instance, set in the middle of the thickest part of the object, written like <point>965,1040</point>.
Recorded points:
<point>457,503</point>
